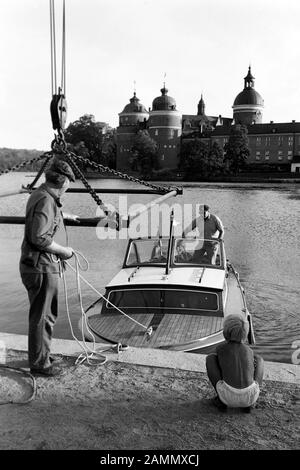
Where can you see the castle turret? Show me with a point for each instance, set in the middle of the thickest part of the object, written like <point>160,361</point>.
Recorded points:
<point>165,128</point>
<point>133,117</point>
<point>201,107</point>
<point>248,105</point>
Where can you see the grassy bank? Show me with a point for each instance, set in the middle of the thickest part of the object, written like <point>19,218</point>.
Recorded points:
<point>12,157</point>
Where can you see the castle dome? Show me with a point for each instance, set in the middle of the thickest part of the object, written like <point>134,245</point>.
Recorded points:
<point>164,102</point>
<point>134,106</point>
<point>249,96</point>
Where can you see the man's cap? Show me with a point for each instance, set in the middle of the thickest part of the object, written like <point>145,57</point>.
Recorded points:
<point>62,168</point>
<point>206,207</point>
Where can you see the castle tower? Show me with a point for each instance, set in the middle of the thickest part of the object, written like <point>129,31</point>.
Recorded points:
<point>201,107</point>
<point>165,128</point>
<point>248,105</point>
<point>133,117</point>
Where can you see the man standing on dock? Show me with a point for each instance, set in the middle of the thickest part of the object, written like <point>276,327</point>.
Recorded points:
<point>40,263</point>
<point>213,229</point>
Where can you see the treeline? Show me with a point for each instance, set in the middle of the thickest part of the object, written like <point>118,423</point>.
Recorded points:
<point>12,157</point>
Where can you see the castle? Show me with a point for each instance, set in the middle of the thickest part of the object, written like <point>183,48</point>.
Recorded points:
<point>276,144</point>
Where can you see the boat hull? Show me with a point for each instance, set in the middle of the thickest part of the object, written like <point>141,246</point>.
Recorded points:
<point>166,331</point>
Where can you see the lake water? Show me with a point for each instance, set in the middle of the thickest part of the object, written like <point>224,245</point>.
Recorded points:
<point>261,240</point>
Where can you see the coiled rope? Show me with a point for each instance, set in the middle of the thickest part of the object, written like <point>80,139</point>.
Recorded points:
<point>34,387</point>
<point>88,353</point>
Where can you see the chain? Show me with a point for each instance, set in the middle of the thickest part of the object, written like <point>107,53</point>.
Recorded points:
<point>99,167</point>
<point>24,163</point>
<point>39,173</point>
<point>78,172</point>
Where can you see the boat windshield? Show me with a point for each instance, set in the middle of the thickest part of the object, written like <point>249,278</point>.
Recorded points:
<point>198,251</point>
<point>147,251</point>
<point>186,251</point>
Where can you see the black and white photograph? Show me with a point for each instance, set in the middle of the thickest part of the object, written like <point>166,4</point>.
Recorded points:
<point>149,229</point>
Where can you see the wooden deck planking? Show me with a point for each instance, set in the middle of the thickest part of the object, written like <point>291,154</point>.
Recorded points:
<point>173,328</point>
<point>118,327</point>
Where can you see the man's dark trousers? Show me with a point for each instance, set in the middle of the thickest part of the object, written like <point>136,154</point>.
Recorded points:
<point>42,289</point>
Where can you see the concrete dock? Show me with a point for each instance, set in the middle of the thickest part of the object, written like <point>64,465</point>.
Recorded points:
<point>139,399</point>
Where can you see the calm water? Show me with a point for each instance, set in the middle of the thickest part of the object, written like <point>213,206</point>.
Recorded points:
<point>261,240</point>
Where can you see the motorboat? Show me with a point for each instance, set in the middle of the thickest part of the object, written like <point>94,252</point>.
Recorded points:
<point>171,293</point>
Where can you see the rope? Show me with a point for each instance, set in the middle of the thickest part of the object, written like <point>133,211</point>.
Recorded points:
<point>63,54</point>
<point>88,353</point>
<point>53,47</point>
<point>34,388</point>
<point>78,275</point>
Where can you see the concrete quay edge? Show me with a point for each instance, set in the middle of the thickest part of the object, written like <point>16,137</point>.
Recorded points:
<point>276,371</point>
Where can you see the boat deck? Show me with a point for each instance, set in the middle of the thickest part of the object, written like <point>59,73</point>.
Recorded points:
<point>168,329</point>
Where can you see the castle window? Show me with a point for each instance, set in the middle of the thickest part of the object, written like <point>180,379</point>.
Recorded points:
<point>162,157</point>
<point>258,140</point>
<point>267,157</point>
<point>279,152</point>
<point>280,140</point>
<point>290,157</point>
<point>290,141</point>
<point>267,141</point>
<point>257,157</point>
<point>172,133</point>
<point>156,131</point>
<point>290,152</point>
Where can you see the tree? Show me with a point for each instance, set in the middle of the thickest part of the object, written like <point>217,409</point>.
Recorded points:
<point>145,155</point>
<point>194,157</point>
<point>237,149</point>
<point>109,149</point>
<point>87,132</point>
<point>215,163</point>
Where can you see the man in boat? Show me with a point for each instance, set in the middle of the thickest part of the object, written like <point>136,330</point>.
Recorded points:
<point>213,229</point>
<point>40,263</point>
<point>234,371</point>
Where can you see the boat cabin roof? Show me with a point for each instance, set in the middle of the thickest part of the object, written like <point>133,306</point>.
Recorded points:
<point>203,277</point>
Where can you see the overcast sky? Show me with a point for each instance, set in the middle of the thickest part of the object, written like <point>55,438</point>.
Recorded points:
<point>203,46</point>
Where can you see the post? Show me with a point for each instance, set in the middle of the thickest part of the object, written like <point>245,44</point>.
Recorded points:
<point>134,214</point>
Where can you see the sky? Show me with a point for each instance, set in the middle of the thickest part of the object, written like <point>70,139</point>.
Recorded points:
<point>116,46</point>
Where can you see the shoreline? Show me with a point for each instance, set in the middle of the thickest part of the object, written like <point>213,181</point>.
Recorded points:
<point>139,400</point>
<point>272,180</point>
